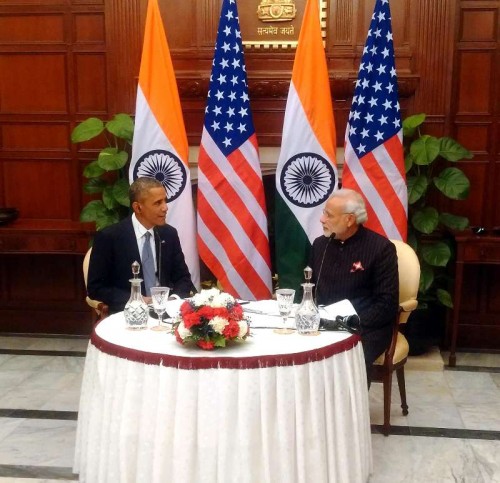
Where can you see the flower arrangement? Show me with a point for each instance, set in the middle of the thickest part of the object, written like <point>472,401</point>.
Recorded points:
<point>209,319</point>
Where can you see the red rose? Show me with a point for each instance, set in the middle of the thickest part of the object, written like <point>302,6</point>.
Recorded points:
<point>206,344</point>
<point>237,312</point>
<point>221,312</point>
<point>231,330</point>
<point>191,319</point>
<point>206,312</point>
<point>186,308</point>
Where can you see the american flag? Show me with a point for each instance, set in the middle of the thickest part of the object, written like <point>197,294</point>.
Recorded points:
<point>232,220</point>
<point>374,161</point>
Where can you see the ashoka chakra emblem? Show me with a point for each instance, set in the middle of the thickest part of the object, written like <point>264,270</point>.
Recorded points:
<point>166,167</point>
<point>307,179</point>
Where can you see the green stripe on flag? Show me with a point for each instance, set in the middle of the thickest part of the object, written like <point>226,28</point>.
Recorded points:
<point>292,248</point>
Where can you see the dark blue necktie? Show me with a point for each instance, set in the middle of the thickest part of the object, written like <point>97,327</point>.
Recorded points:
<point>148,264</point>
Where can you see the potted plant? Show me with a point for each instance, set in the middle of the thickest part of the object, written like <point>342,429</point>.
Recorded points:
<point>430,177</point>
<point>107,174</point>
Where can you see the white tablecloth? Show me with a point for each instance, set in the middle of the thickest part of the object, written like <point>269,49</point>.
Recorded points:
<point>275,408</point>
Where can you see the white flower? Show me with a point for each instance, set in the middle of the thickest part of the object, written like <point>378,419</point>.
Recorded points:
<point>218,324</point>
<point>183,331</point>
<point>243,329</point>
<point>204,297</point>
<point>222,300</point>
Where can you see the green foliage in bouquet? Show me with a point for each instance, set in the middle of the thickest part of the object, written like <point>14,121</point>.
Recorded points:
<point>108,173</point>
<point>429,177</point>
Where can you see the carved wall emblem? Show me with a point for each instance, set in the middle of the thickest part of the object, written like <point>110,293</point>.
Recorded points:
<point>276,10</point>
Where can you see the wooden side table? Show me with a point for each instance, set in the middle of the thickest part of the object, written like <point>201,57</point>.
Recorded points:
<point>473,249</point>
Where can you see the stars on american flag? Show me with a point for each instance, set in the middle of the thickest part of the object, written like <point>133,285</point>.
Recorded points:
<point>375,112</point>
<point>227,116</point>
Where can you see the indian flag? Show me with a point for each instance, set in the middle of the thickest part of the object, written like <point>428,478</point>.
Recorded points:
<point>306,174</point>
<point>160,147</point>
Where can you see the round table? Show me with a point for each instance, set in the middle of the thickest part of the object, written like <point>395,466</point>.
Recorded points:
<point>275,408</point>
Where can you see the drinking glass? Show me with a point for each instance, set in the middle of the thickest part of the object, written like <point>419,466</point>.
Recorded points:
<point>159,296</point>
<point>284,297</point>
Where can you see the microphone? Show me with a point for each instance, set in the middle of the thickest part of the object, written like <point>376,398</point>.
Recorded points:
<point>321,264</point>
<point>349,323</point>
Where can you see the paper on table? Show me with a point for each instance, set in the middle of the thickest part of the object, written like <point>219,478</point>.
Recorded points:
<point>343,308</point>
<point>265,307</point>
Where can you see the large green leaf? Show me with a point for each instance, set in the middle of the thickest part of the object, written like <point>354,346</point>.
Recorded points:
<point>453,221</point>
<point>93,170</point>
<point>444,297</point>
<point>120,192</point>
<point>108,199</point>
<point>453,183</point>
<point>94,185</point>
<point>452,150</point>
<point>425,220</point>
<point>107,218</point>
<point>411,123</point>
<point>111,159</point>
<point>92,211</point>
<point>417,186</point>
<point>426,277</point>
<point>88,129</point>
<point>412,239</point>
<point>424,150</point>
<point>408,162</point>
<point>122,126</point>
<point>436,254</point>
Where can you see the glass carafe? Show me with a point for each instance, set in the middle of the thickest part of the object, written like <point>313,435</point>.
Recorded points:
<point>307,315</point>
<point>136,310</point>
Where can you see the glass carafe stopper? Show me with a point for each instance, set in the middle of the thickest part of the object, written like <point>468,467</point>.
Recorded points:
<point>136,268</point>
<point>308,274</point>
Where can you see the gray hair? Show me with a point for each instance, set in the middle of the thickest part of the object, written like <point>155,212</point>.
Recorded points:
<point>141,186</point>
<point>353,203</point>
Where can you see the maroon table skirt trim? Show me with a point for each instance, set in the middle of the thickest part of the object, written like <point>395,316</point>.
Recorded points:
<point>200,362</point>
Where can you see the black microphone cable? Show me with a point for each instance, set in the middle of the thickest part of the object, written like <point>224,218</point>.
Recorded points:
<point>321,266</point>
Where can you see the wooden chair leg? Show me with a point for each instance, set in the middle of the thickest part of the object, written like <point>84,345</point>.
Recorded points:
<point>400,373</point>
<point>387,382</point>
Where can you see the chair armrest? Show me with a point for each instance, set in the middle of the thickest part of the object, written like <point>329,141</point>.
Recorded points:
<point>408,305</point>
<point>100,307</point>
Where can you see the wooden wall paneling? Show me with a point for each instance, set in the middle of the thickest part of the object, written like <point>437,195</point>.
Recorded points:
<point>52,303</point>
<point>475,115</point>
<point>434,38</point>
<point>124,29</point>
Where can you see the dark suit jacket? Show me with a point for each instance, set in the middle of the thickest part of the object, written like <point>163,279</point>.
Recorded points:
<point>372,286</point>
<point>115,249</point>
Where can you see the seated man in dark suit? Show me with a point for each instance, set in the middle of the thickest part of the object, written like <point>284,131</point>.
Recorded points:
<point>355,263</point>
<point>143,235</point>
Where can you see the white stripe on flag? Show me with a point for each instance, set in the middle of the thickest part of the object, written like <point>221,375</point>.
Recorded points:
<point>370,193</point>
<point>220,254</point>
<point>246,196</point>
<point>392,173</point>
<point>226,216</point>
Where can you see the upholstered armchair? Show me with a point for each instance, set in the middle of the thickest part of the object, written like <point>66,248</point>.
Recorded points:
<point>395,357</point>
<point>99,309</point>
